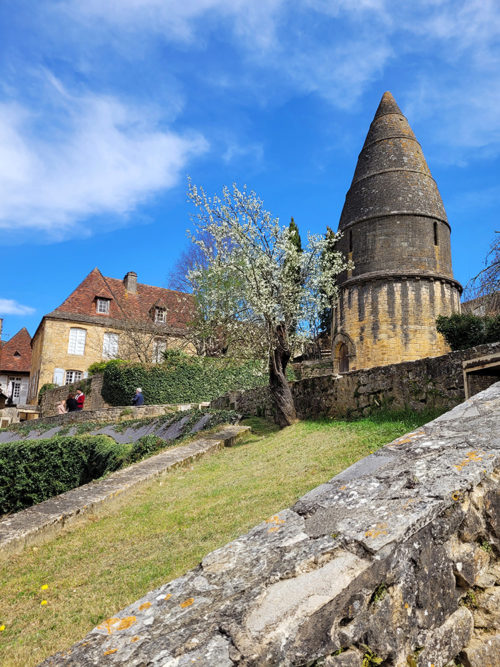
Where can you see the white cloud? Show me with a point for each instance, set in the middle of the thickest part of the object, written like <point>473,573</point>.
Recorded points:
<point>286,42</point>
<point>253,153</point>
<point>183,21</point>
<point>11,307</point>
<point>95,156</point>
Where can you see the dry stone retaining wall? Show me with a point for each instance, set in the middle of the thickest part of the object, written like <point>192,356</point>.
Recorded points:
<point>434,382</point>
<point>396,558</point>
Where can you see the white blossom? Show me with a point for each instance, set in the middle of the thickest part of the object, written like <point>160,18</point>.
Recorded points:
<point>254,273</point>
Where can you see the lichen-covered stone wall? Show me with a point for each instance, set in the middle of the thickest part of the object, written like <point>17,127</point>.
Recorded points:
<point>395,561</point>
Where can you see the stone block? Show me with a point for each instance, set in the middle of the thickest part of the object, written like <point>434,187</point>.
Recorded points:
<point>470,562</point>
<point>446,642</point>
<point>487,614</point>
<point>349,658</point>
<point>482,651</point>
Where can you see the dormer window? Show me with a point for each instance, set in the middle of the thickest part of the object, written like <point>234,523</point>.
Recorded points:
<point>160,315</point>
<point>102,306</point>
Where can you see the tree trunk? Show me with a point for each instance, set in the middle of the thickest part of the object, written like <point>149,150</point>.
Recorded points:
<point>278,384</point>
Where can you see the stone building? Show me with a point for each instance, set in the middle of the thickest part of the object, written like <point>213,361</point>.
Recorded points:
<point>106,318</point>
<point>15,363</point>
<point>397,234</point>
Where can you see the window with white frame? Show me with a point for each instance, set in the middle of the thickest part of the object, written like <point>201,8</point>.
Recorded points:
<point>15,387</point>
<point>102,306</point>
<point>73,376</point>
<point>110,345</point>
<point>76,344</point>
<point>159,348</point>
<point>160,315</point>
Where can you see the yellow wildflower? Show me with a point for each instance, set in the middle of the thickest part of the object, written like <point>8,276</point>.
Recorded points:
<point>43,602</point>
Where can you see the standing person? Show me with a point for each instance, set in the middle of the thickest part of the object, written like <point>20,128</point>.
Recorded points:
<point>71,403</point>
<point>138,399</point>
<point>80,398</point>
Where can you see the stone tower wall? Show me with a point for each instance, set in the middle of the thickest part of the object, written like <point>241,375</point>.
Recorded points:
<point>392,320</point>
<point>395,231</point>
<point>404,243</point>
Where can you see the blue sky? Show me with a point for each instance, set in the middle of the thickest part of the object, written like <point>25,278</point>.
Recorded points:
<point>106,107</point>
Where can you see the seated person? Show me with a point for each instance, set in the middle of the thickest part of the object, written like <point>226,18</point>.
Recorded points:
<point>71,403</point>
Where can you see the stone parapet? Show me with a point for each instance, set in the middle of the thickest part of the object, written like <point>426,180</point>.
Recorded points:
<point>394,561</point>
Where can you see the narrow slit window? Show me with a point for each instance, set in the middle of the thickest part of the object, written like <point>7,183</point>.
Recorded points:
<point>436,242</point>
<point>350,240</point>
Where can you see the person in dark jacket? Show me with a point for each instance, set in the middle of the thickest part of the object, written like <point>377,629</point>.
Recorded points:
<point>71,403</point>
<point>138,398</point>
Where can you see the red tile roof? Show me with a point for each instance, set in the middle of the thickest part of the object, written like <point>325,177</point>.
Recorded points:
<point>15,354</point>
<point>125,306</point>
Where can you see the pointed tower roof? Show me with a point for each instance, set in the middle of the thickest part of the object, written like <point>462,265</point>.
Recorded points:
<point>387,105</point>
<point>392,176</point>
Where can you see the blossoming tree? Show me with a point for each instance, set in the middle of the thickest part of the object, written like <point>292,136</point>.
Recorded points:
<point>254,274</point>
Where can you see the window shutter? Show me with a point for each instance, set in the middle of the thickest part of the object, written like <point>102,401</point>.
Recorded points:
<point>110,345</point>
<point>76,344</point>
<point>59,376</point>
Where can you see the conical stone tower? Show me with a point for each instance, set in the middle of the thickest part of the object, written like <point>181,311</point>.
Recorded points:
<point>396,232</point>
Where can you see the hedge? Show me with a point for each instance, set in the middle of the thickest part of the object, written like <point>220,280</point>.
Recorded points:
<point>181,380</point>
<point>465,330</point>
<point>34,470</point>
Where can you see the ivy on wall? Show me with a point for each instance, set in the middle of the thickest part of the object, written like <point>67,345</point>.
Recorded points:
<point>180,380</point>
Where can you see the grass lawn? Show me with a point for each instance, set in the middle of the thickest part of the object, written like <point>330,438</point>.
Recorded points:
<point>94,570</point>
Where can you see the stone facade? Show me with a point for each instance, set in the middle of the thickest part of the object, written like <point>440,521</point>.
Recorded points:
<point>395,561</point>
<point>105,318</point>
<point>396,232</point>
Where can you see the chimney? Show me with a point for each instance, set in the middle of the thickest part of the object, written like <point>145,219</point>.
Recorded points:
<point>130,282</point>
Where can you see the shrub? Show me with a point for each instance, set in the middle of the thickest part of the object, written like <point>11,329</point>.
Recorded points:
<point>467,330</point>
<point>100,366</point>
<point>493,329</point>
<point>44,388</point>
<point>462,331</point>
<point>34,470</point>
<point>145,446</point>
<point>181,379</point>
